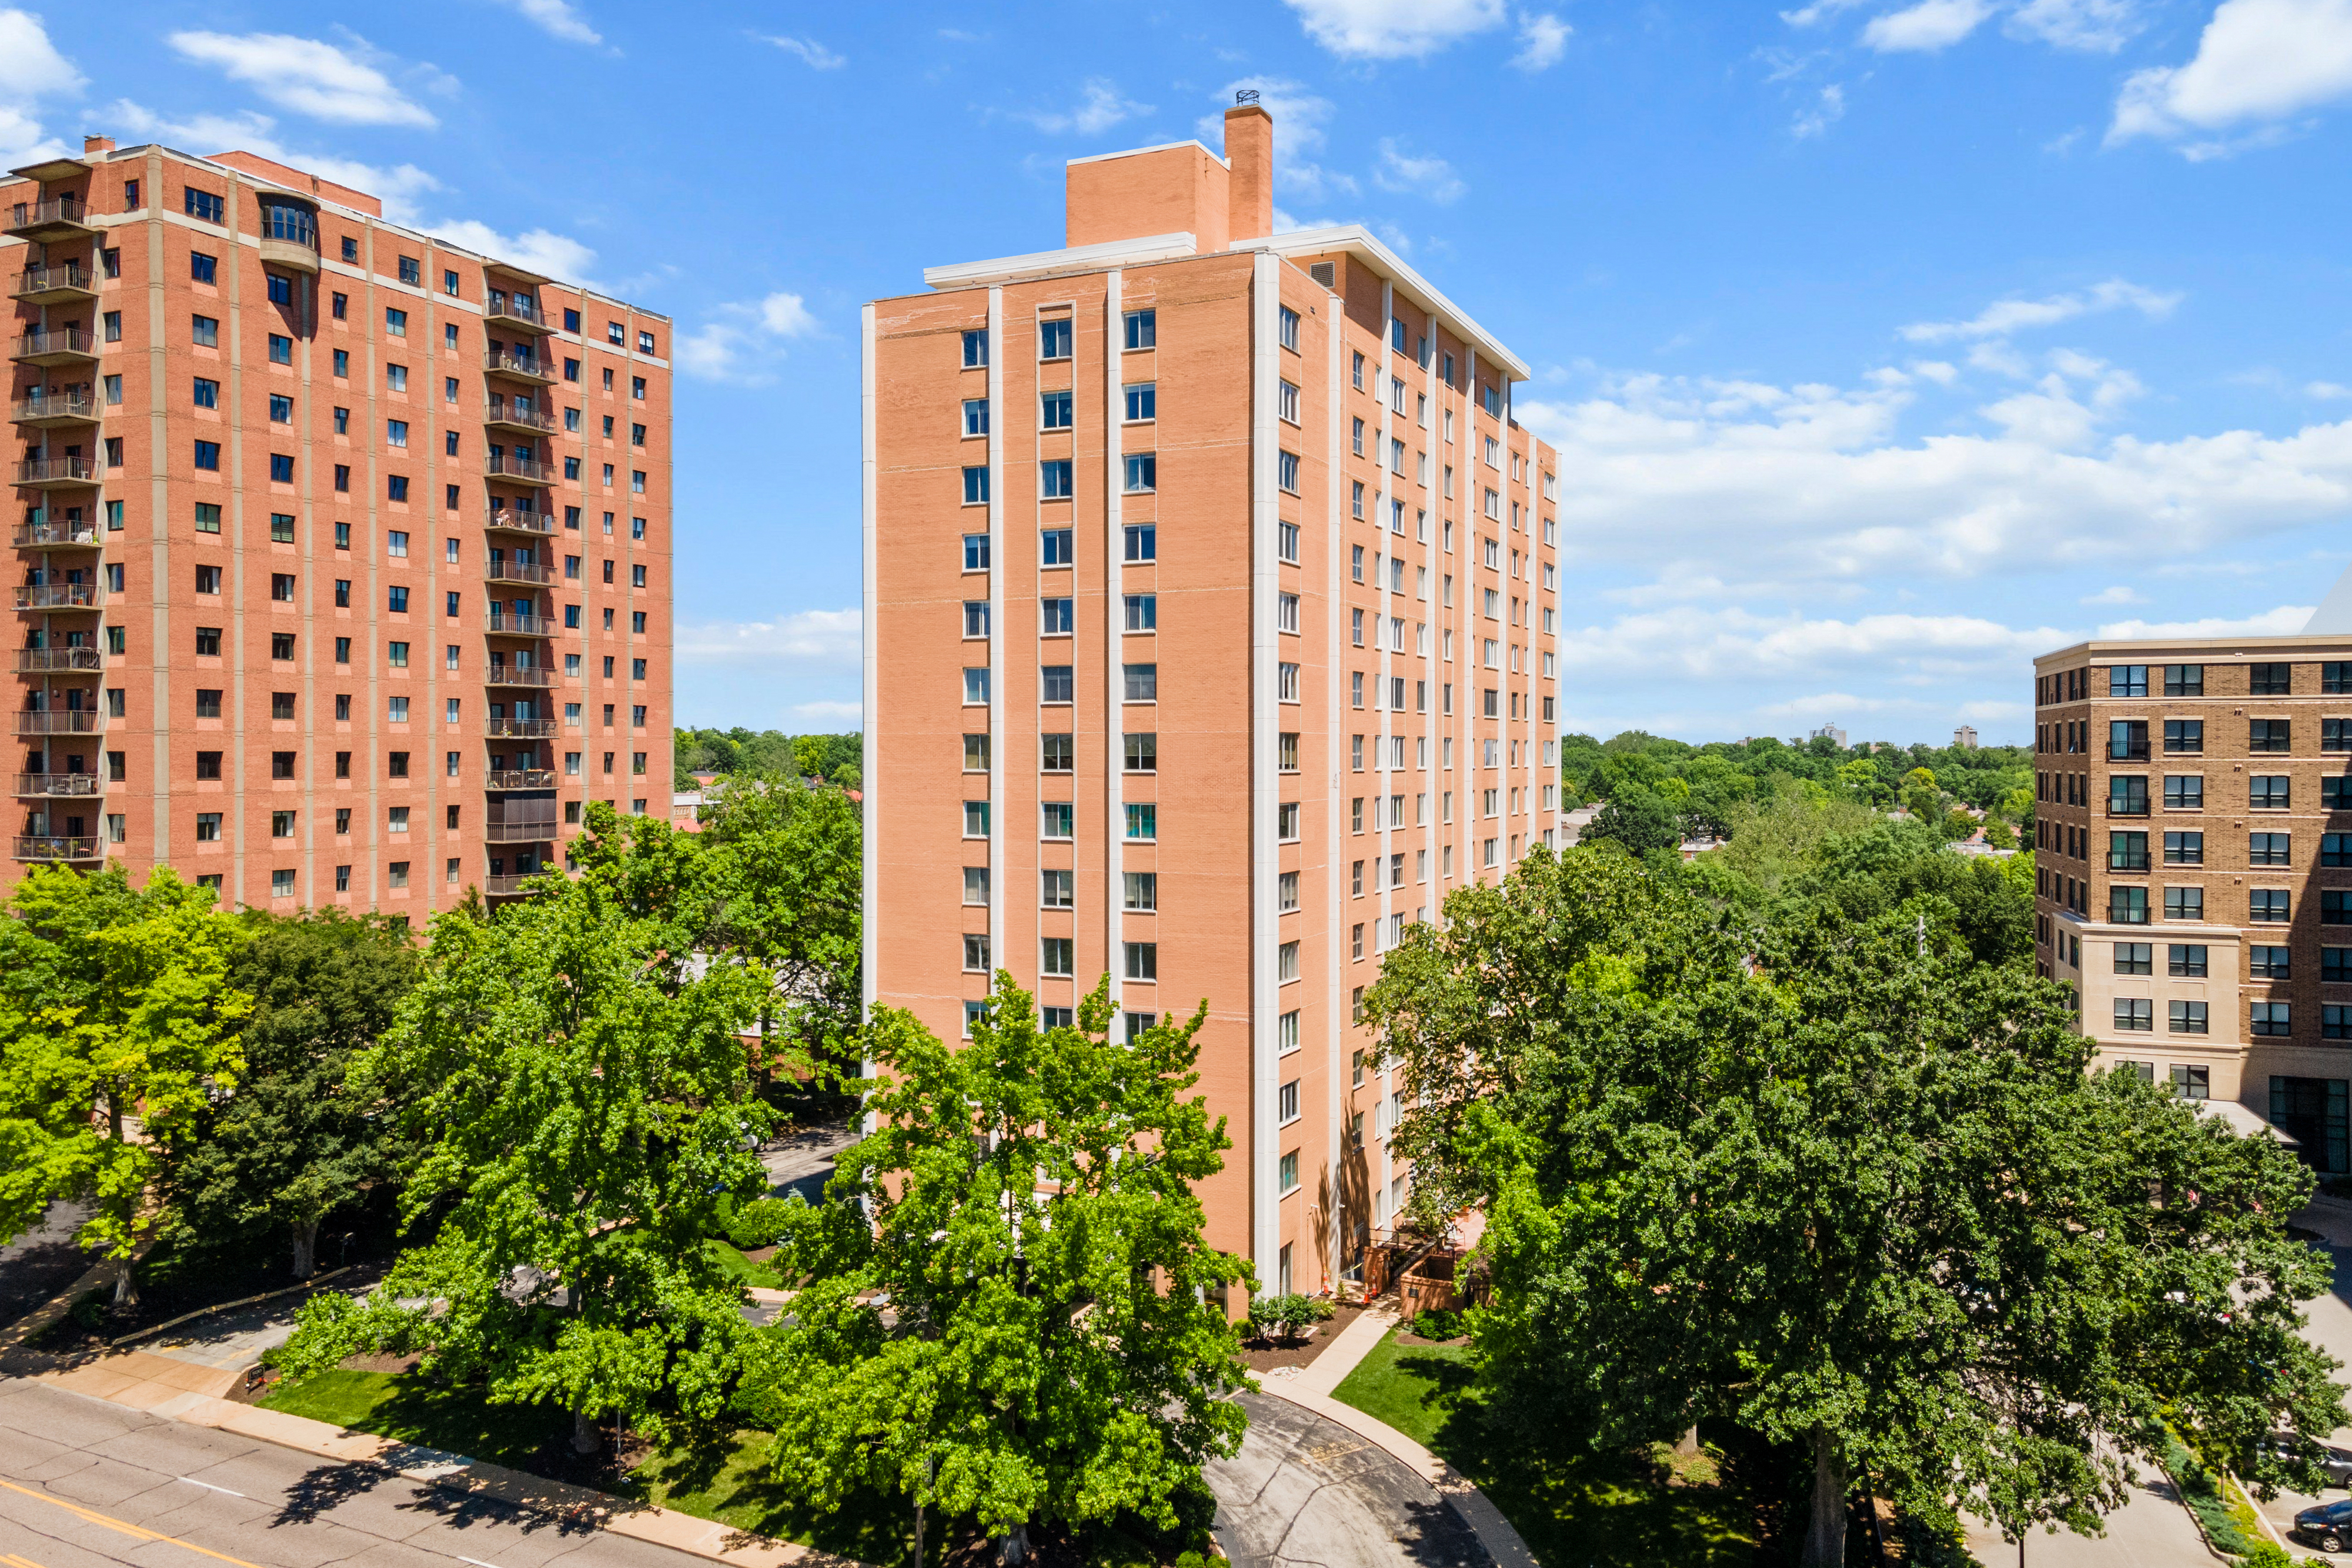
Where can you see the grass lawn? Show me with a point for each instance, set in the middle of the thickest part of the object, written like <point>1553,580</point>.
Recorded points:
<point>410,1409</point>
<point>1570,1506</point>
<point>740,1269</point>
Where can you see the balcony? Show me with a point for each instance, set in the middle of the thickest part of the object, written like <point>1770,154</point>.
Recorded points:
<point>54,346</point>
<point>536,831</point>
<point>50,785</point>
<point>521,469</point>
<point>516,314</point>
<point>59,661</point>
<point>289,236</point>
<point>81,721</point>
<point>529,368</point>
<point>65,534</point>
<point>59,283</point>
<point>49,849</point>
<point>44,413</point>
<point>509,886</point>
<point>59,217</point>
<point>58,596</point>
<point>501,570</point>
<point>521,778</point>
<point>2129,807</point>
<point>521,729</point>
<point>519,675</point>
<point>56,472</point>
<point>505,623</point>
<point>511,520</point>
<point>513,414</point>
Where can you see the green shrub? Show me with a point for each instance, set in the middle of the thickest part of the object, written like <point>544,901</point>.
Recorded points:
<point>1438,1322</point>
<point>760,1223</point>
<point>2266,1555</point>
<point>1190,1560</point>
<point>1285,1317</point>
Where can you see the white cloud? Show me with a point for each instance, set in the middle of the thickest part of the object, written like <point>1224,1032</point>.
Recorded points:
<point>308,76</point>
<point>1821,114</point>
<point>2257,61</point>
<point>2329,390</point>
<point>811,53</point>
<point>538,250</point>
<point>1816,483</point>
<point>1543,39</point>
<point>1818,12</point>
<point>2004,317</point>
<point>401,188</point>
<point>1299,119</point>
<point>807,636</point>
<point>1928,26</point>
<point>741,340</point>
<point>850,714</point>
<point>1394,29</point>
<point>558,18</point>
<point>1723,642</point>
<point>2121,593</point>
<point>30,70</point>
<point>1099,107</point>
<point>1432,177</point>
<point>2099,27</point>
<point>2286,620</point>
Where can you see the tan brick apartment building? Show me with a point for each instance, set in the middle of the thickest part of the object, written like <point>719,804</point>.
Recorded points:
<point>2193,840</point>
<point>343,554</point>
<point>1210,629</point>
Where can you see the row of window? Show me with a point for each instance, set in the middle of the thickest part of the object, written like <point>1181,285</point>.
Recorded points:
<point>2128,739</point>
<point>207,520</point>
<point>2128,850</point>
<point>1058,889</point>
<point>2265,679</point>
<point>2127,793</point>
<point>208,459</point>
<point>1139,402</point>
<point>1141,962</point>
<point>287,765</point>
<point>2264,905</point>
<point>2187,960</point>
<point>1139,330</point>
<point>2270,1020</point>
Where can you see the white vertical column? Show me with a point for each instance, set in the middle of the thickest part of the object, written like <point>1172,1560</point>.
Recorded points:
<point>1114,629</point>
<point>998,823</point>
<point>1266,925</point>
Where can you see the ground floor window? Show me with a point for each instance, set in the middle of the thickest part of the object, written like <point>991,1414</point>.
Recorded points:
<point>2313,1112</point>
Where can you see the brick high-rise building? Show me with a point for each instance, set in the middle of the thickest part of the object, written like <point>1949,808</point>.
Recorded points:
<point>2193,839</point>
<point>1210,595</point>
<point>345,552</point>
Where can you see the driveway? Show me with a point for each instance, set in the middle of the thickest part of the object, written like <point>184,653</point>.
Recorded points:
<point>2150,1530</point>
<point>90,1485</point>
<point>42,1261</point>
<point>1305,1492</point>
<point>802,1161</point>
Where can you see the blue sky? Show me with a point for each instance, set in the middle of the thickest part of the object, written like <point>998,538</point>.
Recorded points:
<point>1876,336</point>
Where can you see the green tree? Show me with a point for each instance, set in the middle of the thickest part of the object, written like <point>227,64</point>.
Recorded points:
<point>291,1144</point>
<point>1853,1195</point>
<point>1637,818</point>
<point>118,1022</point>
<point>1054,1350</point>
<point>582,1093</point>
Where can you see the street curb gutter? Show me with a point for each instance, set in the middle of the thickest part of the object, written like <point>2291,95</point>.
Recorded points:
<point>474,1477</point>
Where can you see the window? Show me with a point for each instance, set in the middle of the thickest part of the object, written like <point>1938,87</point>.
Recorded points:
<point>2184,849</point>
<point>2127,851</point>
<point>975,818</point>
<point>1143,960</point>
<point>208,825</point>
<point>1053,340</point>
<point>975,617</point>
<point>1286,541</point>
<point>1142,328</point>
<point>1143,612</point>
<point>1053,482</point>
<point>2127,740</point>
<point>1142,682</point>
<point>2133,959</point>
<point>2268,905</point>
<point>1287,328</point>
<point>2267,963</point>
<point>1142,752</point>
<point>2267,792</point>
<point>2268,734</point>
<point>1142,822</point>
<point>1053,956</point>
<point>2270,680</point>
<point>975,552</point>
<point>1286,1172</point>
<point>1142,889</point>
<point>2127,681</point>
<point>2127,905</point>
<point>2184,680</point>
<point>975,885</point>
<point>1057,753</point>
<point>2187,1017</point>
<point>208,455</point>
<point>1286,963</point>
<point>2186,960</point>
<point>204,205</point>
<point>2268,848</point>
<point>1287,1099</point>
<point>1055,819</point>
<point>2128,796</point>
<point>2273,1019</point>
<point>2184,793</point>
<point>975,684</point>
<point>1055,890</point>
<point>2134,1014</point>
<point>208,579</point>
<point>1286,474</point>
<point>1285,402</point>
<point>1286,822</point>
<point>975,487</point>
<point>202,268</point>
<point>2335,908</point>
<point>2184,736</point>
<point>975,952</point>
<point>2184,904</point>
<point>975,416</point>
<point>975,350</point>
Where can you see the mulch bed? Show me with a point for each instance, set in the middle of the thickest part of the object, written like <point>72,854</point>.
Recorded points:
<point>1262,1355</point>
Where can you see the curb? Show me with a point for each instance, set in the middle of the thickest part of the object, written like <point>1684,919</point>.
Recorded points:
<point>474,1477</point>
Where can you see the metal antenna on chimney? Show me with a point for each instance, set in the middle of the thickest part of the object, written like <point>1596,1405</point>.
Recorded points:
<point>1246,94</point>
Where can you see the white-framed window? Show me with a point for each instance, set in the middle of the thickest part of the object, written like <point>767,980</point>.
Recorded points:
<point>1285,892</point>
<point>1142,328</point>
<point>1053,956</point>
<point>975,952</point>
<point>975,416</point>
<point>972,1012</point>
<point>975,617</point>
<point>1490,850</point>
<point>1286,822</point>
<point>1142,401</point>
<point>1286,541</point>
<point>975,885</point>
<point>1494,505</point>
<point>975,684</point>
<point>1287,327</point>
<point>1285,402</point>
<point>1286,1032</point>
<point>1142,471</point>
<point>1286,612</point>
<point>1286,963</point>
<point>1143,960</point>
<point>1054,409</point>
<point>1055,818</point>
<point>1285,683</point>
<point>1142,611</point>
<point>1287,1099</point>
<point>1396,456</point>
<point>1286,1176</point>
<point>1053,340</point>
<point>1285,471</point>
<point>1142,822</point>
<point>975,818</point>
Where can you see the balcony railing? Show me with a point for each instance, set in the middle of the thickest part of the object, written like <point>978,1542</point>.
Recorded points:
<point>43,344</point>
<point>2125,860</point>
<point>521,729</point>
<point>57,281</point>
<point>53,784</point>
<point>514,465</point>
<point>57,536</point>
<point>73,721</point>
<point>515,412</point>
<point>517,313</point>
<point>521,778</point>
<point>2127,807</point>
<point>516,521</point>
<point>58,849</point>
<point>58,596</point>
<point>56,216</point>
<point>58,471</point>
<point>507,362</point>
<point>54,409</point>
<point>501,570</point>
<point>507,623</point>
<point>539,831</point>
<point>58,660</point>
<point>508,886</point>
<point>519,675</point>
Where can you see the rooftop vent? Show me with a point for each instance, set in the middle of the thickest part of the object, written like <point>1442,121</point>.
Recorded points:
<point>1324,272</point>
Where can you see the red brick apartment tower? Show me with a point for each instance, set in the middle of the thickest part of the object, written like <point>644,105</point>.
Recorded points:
<point>1210,601</point>
<point>343,553</point>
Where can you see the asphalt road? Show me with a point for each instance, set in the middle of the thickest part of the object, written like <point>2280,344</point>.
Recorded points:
<point>42,1261</point>
<point>84,1484</point>
<point>1305,1492</point>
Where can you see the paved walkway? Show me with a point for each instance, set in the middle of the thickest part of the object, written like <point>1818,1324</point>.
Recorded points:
<point>2152,1530</point>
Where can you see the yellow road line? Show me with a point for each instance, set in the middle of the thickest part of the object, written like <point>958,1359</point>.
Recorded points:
<point>13,1561</point>
<point>137,1531</point>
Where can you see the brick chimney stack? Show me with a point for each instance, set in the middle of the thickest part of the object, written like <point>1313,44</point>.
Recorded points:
<point>91,144</point>
<point>1249,148</point>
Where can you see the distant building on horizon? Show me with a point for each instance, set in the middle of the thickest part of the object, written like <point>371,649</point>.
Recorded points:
<point>1964,738</point>
<point>1830,732</point>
